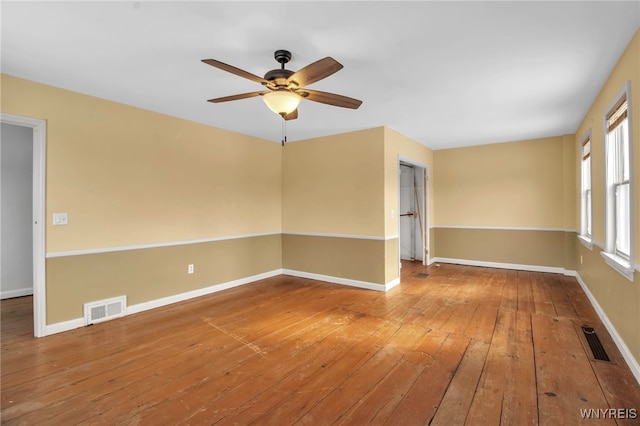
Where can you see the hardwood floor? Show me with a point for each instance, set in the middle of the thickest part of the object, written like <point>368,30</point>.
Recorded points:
<point>465,345</point>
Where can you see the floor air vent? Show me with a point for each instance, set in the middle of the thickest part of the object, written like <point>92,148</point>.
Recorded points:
<point>104,310</point>
<point>594,343</point>
<point>422,275</point>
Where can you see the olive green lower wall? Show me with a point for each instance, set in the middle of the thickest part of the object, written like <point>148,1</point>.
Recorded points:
<point>149,274</point>
<point>355,259</point>
<point>536,248</point>
<point>392,260</point>
<point>571,251</point>
<point>617,297</point>
<point>145,275</point>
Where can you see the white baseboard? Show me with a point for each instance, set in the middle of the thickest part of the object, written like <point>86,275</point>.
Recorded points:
<point>516,266</point>
<point>152,304</point>
<point>343,281</point>
<point>60,327</point>
<point>633,364</point>
<point>392,284</point>
<point>8,294</point>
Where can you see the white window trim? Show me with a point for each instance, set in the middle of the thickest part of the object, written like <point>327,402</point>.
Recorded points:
<point>586,240</point>
<point>621,265</point>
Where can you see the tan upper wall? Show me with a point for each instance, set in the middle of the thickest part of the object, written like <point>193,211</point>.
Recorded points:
<point>627,69</point>
<point>334,184</point>
<point>515,184</point>
<point>127,176</point>
<point>569,183</point>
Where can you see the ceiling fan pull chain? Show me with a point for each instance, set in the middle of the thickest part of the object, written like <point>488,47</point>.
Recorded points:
<point>284,131</point>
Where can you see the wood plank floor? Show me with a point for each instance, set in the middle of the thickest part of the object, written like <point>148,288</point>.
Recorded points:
<point>465,345</point>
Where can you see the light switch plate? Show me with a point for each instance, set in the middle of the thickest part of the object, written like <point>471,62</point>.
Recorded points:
<point>60,219</point>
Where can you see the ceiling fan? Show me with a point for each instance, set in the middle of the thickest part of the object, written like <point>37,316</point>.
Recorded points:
<point>285,89</point>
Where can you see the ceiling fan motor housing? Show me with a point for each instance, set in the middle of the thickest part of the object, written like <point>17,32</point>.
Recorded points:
<point>279,76</point>
<point>278,73</point>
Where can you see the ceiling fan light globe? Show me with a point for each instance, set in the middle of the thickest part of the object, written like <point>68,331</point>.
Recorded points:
<point>282,102</point>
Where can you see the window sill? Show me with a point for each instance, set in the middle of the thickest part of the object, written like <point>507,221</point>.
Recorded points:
<point>619,264</point>
<point>587,242</point>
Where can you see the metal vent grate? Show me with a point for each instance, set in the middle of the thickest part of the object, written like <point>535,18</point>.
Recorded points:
<point>594,343</point>
<point>98,312</point>
<point>104,310</point>
<point>114,308</point>
<point>422,275</point>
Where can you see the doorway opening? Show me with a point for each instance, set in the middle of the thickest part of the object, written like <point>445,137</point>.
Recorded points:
<point>32,241</point>
<point>413,213</point>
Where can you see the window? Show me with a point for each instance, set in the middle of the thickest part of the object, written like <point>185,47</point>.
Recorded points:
<point>618,230</point>
<point>585,192</point>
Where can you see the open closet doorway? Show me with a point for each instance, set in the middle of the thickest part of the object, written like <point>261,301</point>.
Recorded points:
<point>22,218</point>
<point>413,212</point>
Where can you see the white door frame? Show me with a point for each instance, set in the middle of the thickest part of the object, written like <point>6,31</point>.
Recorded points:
<point>39,216</point>
<point>412,206</point>
<point>424,212</point>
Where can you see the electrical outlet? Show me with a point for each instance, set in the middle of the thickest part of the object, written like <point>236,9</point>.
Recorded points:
<point>190,269</point>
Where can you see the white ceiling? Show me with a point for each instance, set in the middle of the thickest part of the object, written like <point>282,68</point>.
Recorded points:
<point>445,74</point>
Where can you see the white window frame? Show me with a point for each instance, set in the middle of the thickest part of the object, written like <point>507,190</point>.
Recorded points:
<point>586,193</point>
<point>617,261</point>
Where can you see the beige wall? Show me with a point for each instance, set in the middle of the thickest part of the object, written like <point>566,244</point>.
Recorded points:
<point>516,184</point>
<point>350,258</point>
<point>570,204</point>
<point>524,185</point>
<point>346,184</point>
<point>618,297</point>
<point>145,275</point>
<point>129,177</point>
<point>334,184</point>
<point>518,247</point>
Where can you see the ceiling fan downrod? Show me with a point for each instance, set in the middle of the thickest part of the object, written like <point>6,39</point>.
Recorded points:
<point>282,56</point>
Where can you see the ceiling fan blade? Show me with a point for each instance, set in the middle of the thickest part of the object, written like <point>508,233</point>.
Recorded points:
<point>315,71</point>
<point>236,97</point>
<point>292,115</point>
<point>330,99</point>
<point>234,70</point>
